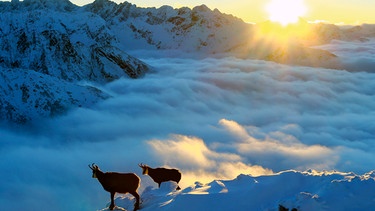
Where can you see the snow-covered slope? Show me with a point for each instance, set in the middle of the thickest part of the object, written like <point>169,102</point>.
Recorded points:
<point>309,190</point>
<point>56,38</point>
<point>47,48</point>
<point>194,30</point>
<point>26,94</point>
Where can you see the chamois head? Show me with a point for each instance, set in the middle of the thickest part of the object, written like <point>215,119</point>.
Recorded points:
<point>144,168</point>
<point>94,169</point>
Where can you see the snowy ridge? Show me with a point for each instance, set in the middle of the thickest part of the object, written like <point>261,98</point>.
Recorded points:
<point>50,47</point>
<point>309,190</point>
<point>55,43</point>
<point>55,5</point>
<point>200,29</point>
<point>31,95</point>
<point>193,30</point>
<point>204,31</point>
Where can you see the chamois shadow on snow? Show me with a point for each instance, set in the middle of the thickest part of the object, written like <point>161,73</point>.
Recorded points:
<point>116,208</point>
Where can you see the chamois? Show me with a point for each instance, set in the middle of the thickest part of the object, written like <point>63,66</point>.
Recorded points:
<point>160,175</point>
<point>114,182</point>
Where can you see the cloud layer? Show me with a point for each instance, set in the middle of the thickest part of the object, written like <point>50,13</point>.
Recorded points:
<point>211,118</point>
<point>355,56</point>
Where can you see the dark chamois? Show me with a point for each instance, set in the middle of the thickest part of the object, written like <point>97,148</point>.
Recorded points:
<point>160,175</point>
<point>114,182</point>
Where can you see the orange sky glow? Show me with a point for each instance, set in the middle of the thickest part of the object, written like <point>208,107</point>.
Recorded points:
<point>332,11</point>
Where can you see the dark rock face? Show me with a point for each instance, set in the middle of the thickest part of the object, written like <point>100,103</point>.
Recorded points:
<point>69,53</point>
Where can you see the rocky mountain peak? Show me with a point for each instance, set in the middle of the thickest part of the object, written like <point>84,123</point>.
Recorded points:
<point>56,5</point>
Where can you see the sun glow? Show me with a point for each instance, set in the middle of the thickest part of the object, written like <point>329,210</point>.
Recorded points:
<point>286,11</point>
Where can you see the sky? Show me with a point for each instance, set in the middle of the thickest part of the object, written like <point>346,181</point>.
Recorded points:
<point>211,118</point>
<point>333,11</point>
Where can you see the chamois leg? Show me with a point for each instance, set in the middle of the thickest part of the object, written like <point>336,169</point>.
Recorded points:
<point>112,206</point>
<point>177,181</point>
<point>136,195</point>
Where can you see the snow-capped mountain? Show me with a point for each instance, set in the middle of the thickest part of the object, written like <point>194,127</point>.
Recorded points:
<point>55,38</point>
<point>194,30</point>
<point>65,43</point>
<point>47,49</point>
<point>201,30</point>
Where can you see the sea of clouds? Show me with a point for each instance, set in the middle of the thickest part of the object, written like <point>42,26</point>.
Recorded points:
<point>213,118</point>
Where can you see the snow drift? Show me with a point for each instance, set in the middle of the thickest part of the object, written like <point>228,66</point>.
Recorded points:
<point>308,190</point>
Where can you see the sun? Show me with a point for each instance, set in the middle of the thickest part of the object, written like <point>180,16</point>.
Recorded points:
<point>286,11</point>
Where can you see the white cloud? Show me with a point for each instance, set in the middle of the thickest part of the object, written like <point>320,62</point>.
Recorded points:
<point>355,56</point>
<point>191,152</point>
<point>278,147</point>
<point>200,163</point>
<point>271,117</point>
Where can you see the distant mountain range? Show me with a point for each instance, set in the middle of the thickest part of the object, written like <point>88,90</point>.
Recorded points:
<point>52,50</point>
